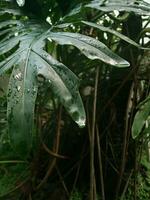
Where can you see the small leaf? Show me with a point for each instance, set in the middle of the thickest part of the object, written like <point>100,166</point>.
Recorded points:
<point>140,118</point>
<point>116,33</point>
<point>138,7</point>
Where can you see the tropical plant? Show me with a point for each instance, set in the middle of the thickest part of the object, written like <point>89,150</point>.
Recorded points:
<point>22,44</point>
<point>40,76</point>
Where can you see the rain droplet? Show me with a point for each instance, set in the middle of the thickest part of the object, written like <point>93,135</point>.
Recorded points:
<point>20,2</point>
<point>74,110</point>
<point>18,76</point>
<point>16,34</point>
<point>82,49</point>
<point>18,88</point>
<point>34,90</point>
<point>41,78</point>
<point>87,91</point>
<point>50,39</point>
<point>68,99</point>
<point>81,122</point>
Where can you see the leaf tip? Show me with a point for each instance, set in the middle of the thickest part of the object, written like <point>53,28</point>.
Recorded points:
<point>123,64</point>
<point>134,136</point>
<point>81,122</point>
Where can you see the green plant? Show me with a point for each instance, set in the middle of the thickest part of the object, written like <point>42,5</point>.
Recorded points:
<point>33,55</point>
<point>76,196</point>
<point>23,46</point>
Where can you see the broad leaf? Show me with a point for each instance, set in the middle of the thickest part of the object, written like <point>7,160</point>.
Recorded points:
<point>22,46</point>
<point>21,101</point>
<point>64,85</point>
<point>30,61</point>
<point>90,47</point>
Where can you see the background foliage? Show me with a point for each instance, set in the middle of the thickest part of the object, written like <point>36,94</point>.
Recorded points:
<point>43,153</point>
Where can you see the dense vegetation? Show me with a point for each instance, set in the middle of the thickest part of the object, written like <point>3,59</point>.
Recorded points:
<point>74,100</point>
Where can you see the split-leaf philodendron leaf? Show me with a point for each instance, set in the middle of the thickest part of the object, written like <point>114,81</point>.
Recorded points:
<point>22,49</point>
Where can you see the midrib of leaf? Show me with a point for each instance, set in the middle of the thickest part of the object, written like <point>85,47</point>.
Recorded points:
<point>25,70</point>
<point>25,74</point>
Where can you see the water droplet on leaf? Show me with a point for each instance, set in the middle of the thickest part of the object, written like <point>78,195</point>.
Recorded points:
<point>18,88</point>
<point>34,90</point>
<point>81,122</point>
<point>18,76</point>
<point>20,2</point>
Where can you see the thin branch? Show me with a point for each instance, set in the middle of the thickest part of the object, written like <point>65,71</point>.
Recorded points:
<point>100,163</point>
<point>56,148</point>
<point>93,138</point>
<point>51,153</point>
<point>62,181</point>
<point>126,186</point>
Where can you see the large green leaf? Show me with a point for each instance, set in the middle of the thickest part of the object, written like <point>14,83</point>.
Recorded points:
<point>21,101</point>
<point>30,61</point>
<point>22,46</point>
<point>140,118</point>
<point>90,47</point>
<point>64,85</point>
<point>139,7</point>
